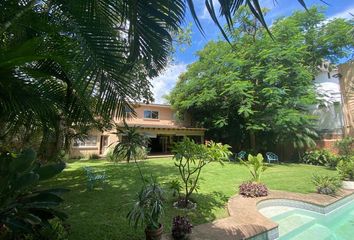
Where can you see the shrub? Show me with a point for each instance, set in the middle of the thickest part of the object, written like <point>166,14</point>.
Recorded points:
<point>255,165</point>
<point>63,156</point>
<point>326,184</point>
<point>332,161</point>
<point>345,169</point>
<point>140,153</point>
<point>94,156</point>
<point>345,146</point>
<point>253,189</point>
<point>57,230</point>
<point>181,227</point>
<point>110,156</point>
<point>321,157</point>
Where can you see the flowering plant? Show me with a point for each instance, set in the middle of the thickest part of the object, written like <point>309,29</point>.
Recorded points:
<point>181,227</point>
<point>253,189</point>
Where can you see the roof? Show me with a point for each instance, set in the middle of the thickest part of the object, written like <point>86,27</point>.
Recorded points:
<point>154,105</point>
<point>167,127</point>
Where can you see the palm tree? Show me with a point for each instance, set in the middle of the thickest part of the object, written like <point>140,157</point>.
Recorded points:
<point>133,141</point>
<point>74,60</point>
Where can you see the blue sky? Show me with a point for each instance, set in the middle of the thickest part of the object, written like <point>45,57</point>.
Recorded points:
<point>167,79</point>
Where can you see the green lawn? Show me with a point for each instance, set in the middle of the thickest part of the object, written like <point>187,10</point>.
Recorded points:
<point>100,214</point>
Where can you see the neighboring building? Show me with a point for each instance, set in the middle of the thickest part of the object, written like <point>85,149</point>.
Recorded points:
<point>156,121</point>
<point>346,73</point>
<point>330,112</point>
<point>335,113</point>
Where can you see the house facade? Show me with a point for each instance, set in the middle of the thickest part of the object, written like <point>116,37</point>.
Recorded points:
<point>335,114</point>
<point>346,76</point>
<point>156,121</point>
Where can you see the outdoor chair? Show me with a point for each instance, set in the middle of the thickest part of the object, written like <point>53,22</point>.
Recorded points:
<point>272,157</point>
<point>233,157</point>
<point>94,177</point>
<point>242,155</point>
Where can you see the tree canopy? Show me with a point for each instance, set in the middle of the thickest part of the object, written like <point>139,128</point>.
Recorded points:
<point>260,86</point>
<point>64,63</point>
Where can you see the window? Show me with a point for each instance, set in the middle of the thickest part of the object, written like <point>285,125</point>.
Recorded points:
<point>151,114</point>
<point>128,111</point>
<point>90,141</point>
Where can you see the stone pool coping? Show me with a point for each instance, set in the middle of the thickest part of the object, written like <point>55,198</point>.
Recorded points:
<point>245,221</point>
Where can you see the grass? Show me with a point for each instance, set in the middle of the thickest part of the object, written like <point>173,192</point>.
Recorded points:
<point>101,213</point>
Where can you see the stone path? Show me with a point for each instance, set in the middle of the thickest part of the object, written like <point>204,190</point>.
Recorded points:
<point>246,221</point>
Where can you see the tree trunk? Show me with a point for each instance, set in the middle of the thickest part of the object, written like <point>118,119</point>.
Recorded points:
<point>52,142</point>
<point>253,140</point>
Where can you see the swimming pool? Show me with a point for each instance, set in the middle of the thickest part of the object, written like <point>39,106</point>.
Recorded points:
<point>296,223</point>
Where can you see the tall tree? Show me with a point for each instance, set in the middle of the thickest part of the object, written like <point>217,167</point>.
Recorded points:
<point>256,92</point>
<point>96,55</point>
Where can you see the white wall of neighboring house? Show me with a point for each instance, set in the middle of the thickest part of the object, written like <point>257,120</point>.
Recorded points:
<point>329,112</point>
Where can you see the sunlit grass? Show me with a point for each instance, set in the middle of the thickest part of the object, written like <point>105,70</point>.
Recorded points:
<point>101,213</point>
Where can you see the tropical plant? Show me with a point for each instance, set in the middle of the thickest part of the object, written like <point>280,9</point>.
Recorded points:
<point>56,230</point>
<point>345,146</point>
<point>148,207</point>
<point>132,143</point>
<point>326,184</point>
<point>94,156</point>
<point>24,209</point>
<point>332,161</point>
<point>181,228</point>
<point>253,189</point>
<point>255,165</point>
<point>345,169</point>
<point>321,157</point>
<point>176,187</point>
<point>256,92</point>
<point>74,60</point>
<point>190,158</point>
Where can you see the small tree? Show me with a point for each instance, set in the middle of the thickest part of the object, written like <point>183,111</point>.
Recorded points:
<point>133,141</point>
<point>190,158</point>
<point>256,166</point>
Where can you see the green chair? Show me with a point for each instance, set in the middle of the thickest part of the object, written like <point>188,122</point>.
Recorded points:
<point>242,155</point>
<point>94,177</point>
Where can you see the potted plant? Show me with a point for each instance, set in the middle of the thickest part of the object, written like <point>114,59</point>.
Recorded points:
<point>147,210</point>
<point>346,171</point>
<point>181,228</point>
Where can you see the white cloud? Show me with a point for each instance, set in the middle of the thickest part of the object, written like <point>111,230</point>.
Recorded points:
<point>205,14</point>
<point>343,14</point>
<point>163,84</point>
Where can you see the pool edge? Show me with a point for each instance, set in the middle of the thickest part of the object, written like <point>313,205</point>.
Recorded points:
<point>301,204</point>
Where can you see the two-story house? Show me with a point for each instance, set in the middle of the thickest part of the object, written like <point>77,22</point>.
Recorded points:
<point>156,121</point>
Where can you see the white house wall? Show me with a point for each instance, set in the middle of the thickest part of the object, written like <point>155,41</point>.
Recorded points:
<point>329,112</point>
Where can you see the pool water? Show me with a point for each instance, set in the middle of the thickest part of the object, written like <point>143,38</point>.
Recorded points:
<point>295,223</point>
